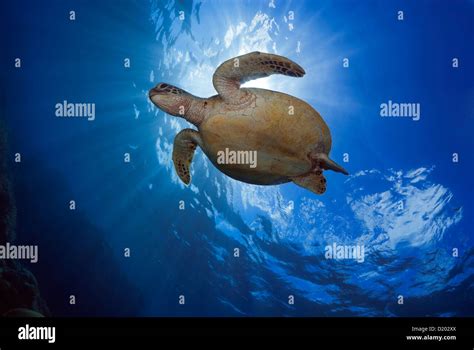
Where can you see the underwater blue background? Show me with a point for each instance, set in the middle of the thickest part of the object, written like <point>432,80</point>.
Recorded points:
<point>405,200</point>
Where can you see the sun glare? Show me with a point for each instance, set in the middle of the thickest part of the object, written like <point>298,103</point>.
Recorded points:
<point>262,83</point>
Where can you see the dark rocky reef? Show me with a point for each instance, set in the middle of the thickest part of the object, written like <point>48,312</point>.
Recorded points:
<point>18,286</point>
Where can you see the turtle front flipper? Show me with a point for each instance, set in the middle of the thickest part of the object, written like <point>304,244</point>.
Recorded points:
<point>185,144</point>
<point>314,182</point>
<point>236,71</point>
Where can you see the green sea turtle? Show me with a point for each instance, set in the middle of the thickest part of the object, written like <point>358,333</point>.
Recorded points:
<point>290,139</point>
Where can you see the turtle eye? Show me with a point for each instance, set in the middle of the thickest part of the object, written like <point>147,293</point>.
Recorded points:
<point>163,86</point>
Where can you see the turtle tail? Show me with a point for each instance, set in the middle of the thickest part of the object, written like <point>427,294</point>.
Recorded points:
<point>329,164</point>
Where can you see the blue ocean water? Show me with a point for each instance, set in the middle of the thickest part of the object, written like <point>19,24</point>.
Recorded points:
<point>405,201</point>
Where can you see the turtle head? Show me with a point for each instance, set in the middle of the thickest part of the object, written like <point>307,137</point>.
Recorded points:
<point>171,99</point>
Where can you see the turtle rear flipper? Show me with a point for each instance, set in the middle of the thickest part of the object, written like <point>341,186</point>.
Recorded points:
<point>236,71</point>
<point>314,182</point>
<point>185,144</point>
